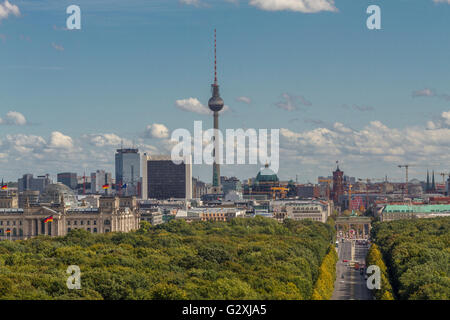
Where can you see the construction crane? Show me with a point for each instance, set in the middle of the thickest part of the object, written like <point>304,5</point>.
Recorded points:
<point>282,190</point>
<point>328,182</point>
<point>406,166</point>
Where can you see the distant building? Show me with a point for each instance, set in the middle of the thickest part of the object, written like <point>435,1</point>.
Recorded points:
<point>302,211</point>
<point>163,179</point>
<point>128,171</point>
<point>230,184</point>
<point>398,212</point>
<point>338,184</point>
<point>261,187</point>
<point>199,188</point>
<point>114,214</point>
<point>308,191</point>
<point>8,200</point>
<point>29,197</point>
<point>70,179</point>
<point>99,179</point>
<point>29,183</point>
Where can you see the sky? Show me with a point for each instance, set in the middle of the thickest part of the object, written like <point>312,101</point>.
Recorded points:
<point>139,69</point>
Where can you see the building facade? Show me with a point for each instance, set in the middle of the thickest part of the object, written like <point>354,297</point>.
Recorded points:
<point>99,179</point>
<point>163,179</point>
<point>302,211</point>
<point>69,179</point>
<point>114,214</point>
<point>128,171</point>
<point>29,183</point>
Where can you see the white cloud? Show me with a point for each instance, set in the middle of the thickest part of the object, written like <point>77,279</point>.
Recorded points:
<point>305,6</point>
<point>243,99</point>
<point>6,9</point>
<point>15,118</point>
<point>104,139</point>
<point>194,105</point>
<point>59,140</point>
<point>427,92</point>
<point>157,130</point>
<point>442,122</point>
<point>290,102</point>
<point>442,1</point>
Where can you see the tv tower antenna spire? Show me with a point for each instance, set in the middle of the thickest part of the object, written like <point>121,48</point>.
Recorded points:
<point>215,58</point>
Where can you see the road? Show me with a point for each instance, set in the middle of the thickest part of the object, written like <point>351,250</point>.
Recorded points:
<point>352,285</point>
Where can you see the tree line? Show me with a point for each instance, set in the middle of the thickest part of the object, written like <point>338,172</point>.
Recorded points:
<point>417,256</point>
<point>256,258</point>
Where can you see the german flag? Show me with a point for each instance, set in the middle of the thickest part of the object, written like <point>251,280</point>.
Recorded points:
<point>48,219</point>
<point>4,186</point>
<point>8,231</point>
<point>105,186</point>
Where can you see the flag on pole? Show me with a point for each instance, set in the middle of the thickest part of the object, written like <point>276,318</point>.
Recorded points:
<point>105,186</point>
<point>48,219</point>
<point>8,230</point>
<point>4,187</point>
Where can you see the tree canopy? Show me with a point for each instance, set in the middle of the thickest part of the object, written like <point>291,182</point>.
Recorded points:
<point>257,258</point>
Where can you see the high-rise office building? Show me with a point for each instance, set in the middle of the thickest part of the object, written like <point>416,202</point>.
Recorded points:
<point>99,179</point>
<point>69,179</point>
<point>29,183</point>
<point>163,179</point>
<point>128,171</point>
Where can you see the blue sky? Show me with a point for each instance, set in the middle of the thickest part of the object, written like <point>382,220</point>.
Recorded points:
<point>338,91</point>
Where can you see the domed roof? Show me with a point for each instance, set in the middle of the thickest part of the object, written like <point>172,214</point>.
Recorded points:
<point>266,175</point>
<point>54,192</point>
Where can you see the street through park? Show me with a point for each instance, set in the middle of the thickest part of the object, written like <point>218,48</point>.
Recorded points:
<point>350,284</point>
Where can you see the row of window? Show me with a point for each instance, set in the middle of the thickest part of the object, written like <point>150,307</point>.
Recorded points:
<point>94,230</point>
<point>75,222</point>
<point>7,223</point>
<point>14,232</point>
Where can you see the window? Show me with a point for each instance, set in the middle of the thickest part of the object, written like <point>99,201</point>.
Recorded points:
<point>1,223</point>
<point>81,222</point>
<point>95,230</point>
<point>106,230</point>
<point>68,229</point>
<point>75,222</point>
<point>20,223</point>
<point>68,223</point>
<point>107,222</point>
<point>89,222</point>
<point>14,222</point>
<point>95,222</point>
<point>7,223</point>
<point>89,229</point>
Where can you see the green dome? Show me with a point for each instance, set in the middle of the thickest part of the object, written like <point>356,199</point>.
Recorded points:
<point>266,175</point>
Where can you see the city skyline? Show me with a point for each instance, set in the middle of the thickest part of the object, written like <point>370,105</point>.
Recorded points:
<point>372,106</point>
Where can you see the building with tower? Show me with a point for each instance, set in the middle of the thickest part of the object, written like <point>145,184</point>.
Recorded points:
<point>338,184</point>
<point>216,104</point>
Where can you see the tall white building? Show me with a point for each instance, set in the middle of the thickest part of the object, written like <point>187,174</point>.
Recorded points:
<point>163,179</point>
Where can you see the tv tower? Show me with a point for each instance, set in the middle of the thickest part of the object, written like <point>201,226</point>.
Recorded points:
<point>215,103</point>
